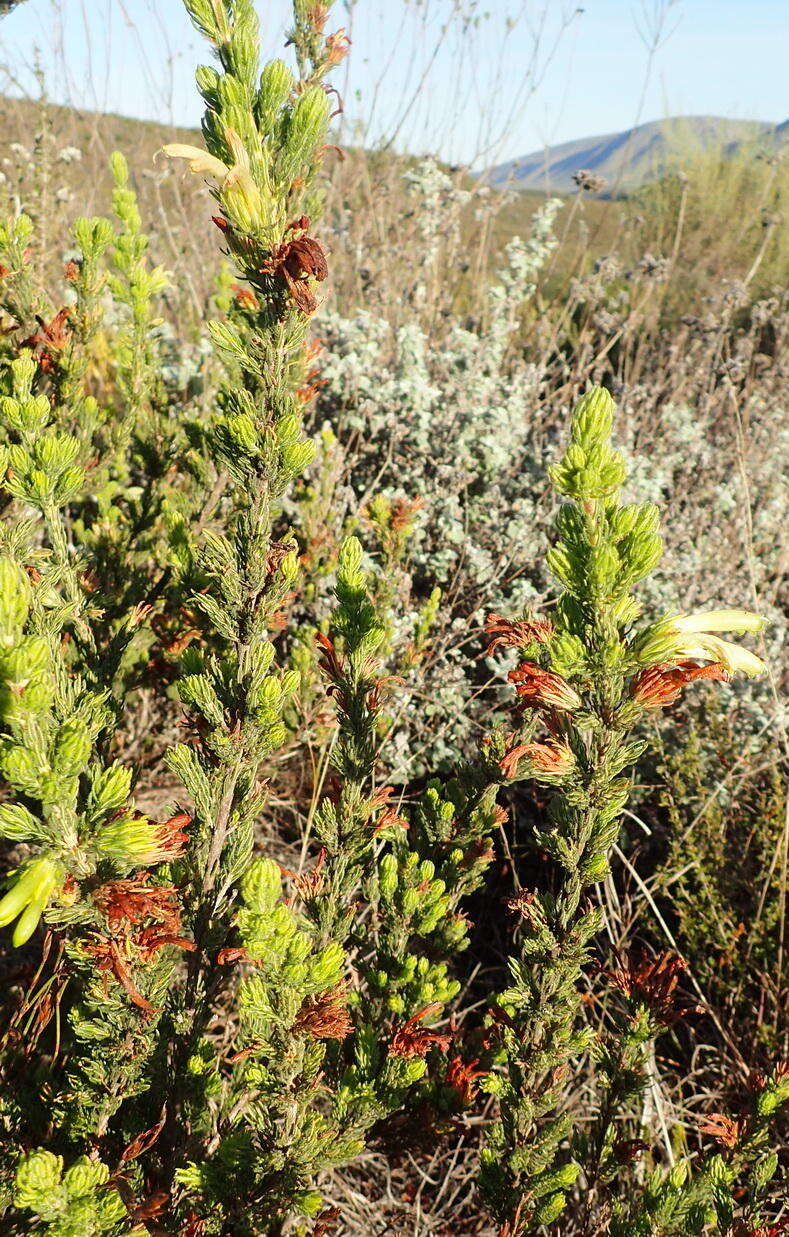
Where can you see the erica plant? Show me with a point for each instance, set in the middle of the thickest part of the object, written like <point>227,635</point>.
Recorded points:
<point>585,680</point>
<point>239,910</point>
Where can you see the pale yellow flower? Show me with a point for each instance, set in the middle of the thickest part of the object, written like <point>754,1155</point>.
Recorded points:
<point>720,620</point>
<point>236,184</point>
<point>200,162</point>
<point>692,639</point>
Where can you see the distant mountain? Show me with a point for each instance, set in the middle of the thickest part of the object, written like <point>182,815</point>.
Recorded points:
<point>629,159</point>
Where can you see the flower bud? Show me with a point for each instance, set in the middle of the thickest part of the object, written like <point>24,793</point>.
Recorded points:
<point>261,887</point>
<point>136,841</point>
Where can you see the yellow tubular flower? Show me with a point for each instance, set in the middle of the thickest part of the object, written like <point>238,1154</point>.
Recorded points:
<point>720,620</point>
<point>28,897</point>
<point>236,183</point>
<point>200,162</point>
<point>692,639</point>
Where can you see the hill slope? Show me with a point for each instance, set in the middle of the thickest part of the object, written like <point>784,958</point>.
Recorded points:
<point>629,159</point>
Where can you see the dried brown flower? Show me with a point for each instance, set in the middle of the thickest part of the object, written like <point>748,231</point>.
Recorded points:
<point>194,1227</point>
<point>659,686</point>
<point>329,660</point>
<point>50,339</point>
<point>327,1222</point>
<point>298,262</point>
<point>231,954</point>
<point>516,634</point>
<point>317,16</point>
<point>151,1208</point>
<point>245,297</point>
<point>550,759</point>
<point>143,1142</point>
<point>515,1226</point>
<point>171,841</point>
<point>127,905</point>
<point>625,1150</point>
<point>135,900</point>
<point>413,1040</point>
<point>309,884</point>
<point>108,957</point>
<point>337,47</point>
<point>461,1078</point>
<point>722,1129</point>
<point>541,689</point>
<point>374,696</point>
<point>325,1016</point>
<point>652,982</point>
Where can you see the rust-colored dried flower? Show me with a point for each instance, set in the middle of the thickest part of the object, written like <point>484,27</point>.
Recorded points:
<point>521,903</point>
<point>298,262</point>
<point>516,634</point>
<point>148,942</point>
<point>142,1143</point>
<point>337,47</point>
<point>245,297</point>
<point>379,687</point>
<point>652,982</point>
<point>194,1227</point>
<point>546,759</point>
<point>109,957</point>
<point>127,905</point>
<point>390,815</point>
<point>50,339</point>
<point>325,1016</point>
<point>171,841</point>
<point>413,1040</point>
<point>327,1222</point>
<point>309,884</point>
<point>133,901</point>
<point>404,510</point>
<point>542,689</point>
<point>514,1227</point>
<point>329,660</point>
<point>231,954</point>
<point>151,1208</point>
<point>389,819</point>
<point>461,1078</point>
<point>659,686</point>
<point>317,16</point>
<point>722,1129</point>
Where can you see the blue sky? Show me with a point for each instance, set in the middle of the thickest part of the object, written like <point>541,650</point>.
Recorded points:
<point>470,80</point>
